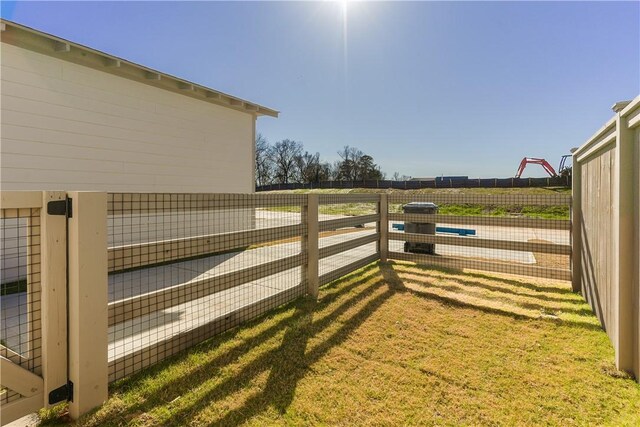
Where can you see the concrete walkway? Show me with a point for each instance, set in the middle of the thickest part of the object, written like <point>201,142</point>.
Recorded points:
<point>136,334</point>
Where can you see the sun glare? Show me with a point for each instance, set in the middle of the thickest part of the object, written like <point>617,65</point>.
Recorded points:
<point>345,46</point>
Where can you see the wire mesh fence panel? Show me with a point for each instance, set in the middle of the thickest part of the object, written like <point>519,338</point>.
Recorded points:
<point>184,267</point>
<point>348,236</point>
<point>517,234</point>
<point>439,182</point>
<point>20,308</point>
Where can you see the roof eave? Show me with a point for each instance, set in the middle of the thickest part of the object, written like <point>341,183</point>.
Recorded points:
<point>47,44</point>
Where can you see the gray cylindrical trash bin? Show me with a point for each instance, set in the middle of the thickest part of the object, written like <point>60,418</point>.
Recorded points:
<point>420,227</point>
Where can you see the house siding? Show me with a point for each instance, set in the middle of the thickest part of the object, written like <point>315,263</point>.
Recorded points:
<point>70,127</point>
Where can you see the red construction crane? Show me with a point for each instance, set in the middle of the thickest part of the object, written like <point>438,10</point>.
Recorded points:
<point>542,162</point>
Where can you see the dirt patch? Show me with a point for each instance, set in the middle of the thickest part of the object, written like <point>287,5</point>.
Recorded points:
<point>550,260</point>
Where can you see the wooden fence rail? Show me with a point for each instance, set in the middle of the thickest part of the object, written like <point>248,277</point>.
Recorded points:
<point>164,232</point>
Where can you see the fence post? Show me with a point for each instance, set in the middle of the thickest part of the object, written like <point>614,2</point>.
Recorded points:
<point>623,242</point>
<point>311,271</point>
<point>53,280</point>
<point>576,226</point>
<point>383,227</point>
<point>636,251</point>
<point>88,330</point>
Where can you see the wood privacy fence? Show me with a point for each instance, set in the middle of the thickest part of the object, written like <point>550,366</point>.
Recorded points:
<point>140,277</point>
<point>606,230</point>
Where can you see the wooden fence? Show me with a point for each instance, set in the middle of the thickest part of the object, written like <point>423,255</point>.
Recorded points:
<point>149,275</point>
<point>606,231</point>
<point>40,355</point>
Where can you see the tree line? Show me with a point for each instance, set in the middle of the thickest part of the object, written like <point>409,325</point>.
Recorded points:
<point>286,162</point>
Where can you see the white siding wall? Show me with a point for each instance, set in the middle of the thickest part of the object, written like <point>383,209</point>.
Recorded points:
<point>70,127</point>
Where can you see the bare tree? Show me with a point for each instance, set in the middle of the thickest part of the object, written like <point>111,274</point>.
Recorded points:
<point>309,167</point>
<point>357,166</point>
<point>284,156</point>
<point>348,167</point>
<point>284,162</point>
<point>335,170</point>
<point>397,177</point>
<point>263,162</point>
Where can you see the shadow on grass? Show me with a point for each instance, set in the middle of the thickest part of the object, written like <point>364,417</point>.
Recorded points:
<point>500,294</point>
<point>286,363</point>
<point>309,330</point>
<point>538,294</point>
<point>429,284</point>
<point>503,286</point>
<point>522,283</point>
<point>294,364</point>
<point>244,346</point>
<point>289,362</point>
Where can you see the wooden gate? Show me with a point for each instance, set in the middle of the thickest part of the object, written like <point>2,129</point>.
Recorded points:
<point>33,331</point>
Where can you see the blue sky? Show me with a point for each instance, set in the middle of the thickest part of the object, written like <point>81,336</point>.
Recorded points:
<point>427,88</point>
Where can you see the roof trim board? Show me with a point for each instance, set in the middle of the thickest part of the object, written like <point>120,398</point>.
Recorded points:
<point>38,41</point>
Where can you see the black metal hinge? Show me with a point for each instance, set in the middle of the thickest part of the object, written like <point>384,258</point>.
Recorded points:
<point>60,207</point>
<point>64,392</point>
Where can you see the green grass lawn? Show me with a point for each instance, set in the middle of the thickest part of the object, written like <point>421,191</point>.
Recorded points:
<point>394,344</point>
<point>354,209</point>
